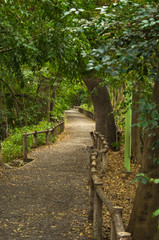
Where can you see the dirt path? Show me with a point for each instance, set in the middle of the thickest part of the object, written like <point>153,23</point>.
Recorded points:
<point>47,198</point>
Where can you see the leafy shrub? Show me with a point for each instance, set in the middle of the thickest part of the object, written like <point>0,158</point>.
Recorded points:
<point>88,108</point>
<point>12,147</point>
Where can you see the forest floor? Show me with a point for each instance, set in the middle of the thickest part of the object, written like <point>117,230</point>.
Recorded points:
<point>48,198</point>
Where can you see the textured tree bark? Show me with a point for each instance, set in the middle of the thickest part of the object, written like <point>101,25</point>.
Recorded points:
<point>16,106</point>
<point>142,225</point>
<point>52,101</point>
<point>3,109</point>
<point>104,118</point>
<point>43,92</point>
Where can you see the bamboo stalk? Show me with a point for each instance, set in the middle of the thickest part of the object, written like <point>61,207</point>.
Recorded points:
<point>127,152</point>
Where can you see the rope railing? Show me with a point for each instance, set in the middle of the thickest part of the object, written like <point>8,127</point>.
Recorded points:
<point>97,196</point>
<point>55,130</point>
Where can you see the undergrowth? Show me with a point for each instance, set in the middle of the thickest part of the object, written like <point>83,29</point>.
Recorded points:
<point>12,147</point>
<point>86,107</point>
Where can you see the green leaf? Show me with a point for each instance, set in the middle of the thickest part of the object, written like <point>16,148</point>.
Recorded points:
<point>156,181</point>
<point>98,67</point>
<point>84,54</point>
<point>144,180</point>
<point>156,213</point>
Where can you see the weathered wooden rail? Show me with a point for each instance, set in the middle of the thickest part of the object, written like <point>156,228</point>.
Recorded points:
<point>97,197</point>
<point>55,130</point>
<point>87,113</point>
<point>100,147</point>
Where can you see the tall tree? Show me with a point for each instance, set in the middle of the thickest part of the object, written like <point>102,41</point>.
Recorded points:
<point>142,225</point>
<point>129,33</point>
<point>104,118</point>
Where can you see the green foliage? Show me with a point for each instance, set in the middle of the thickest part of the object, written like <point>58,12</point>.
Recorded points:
<point>116,145</point>
<point>12,147</point>
<point>87,107</point>
<point>125,36</point>
<point>142,177</point>
<point>144,120</point>
<point>156,213</point>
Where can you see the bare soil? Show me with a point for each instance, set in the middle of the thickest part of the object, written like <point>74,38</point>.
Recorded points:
<point>48,198</point>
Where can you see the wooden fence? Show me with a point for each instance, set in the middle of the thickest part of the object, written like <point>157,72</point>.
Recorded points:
<point>87,113</point>
<point>97,197</point>
<point>55,130</point>
<point>92,116</point>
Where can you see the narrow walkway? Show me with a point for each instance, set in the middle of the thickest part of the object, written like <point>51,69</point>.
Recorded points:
<point>47,198</point>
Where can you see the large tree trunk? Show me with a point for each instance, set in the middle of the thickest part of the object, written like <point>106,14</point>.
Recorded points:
<point>52,101</point>
<point>43,97</point>
<point>142,225</point>
<point>16,107</point>
<point>104,118</point>
<point>3,111</point>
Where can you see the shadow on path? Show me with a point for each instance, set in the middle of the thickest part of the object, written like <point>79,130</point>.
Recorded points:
<point>47,198</point>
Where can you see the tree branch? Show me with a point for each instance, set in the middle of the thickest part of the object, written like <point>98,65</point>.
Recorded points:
<point>22,95</point>
<point>9,50</point>
<point>13,95</point>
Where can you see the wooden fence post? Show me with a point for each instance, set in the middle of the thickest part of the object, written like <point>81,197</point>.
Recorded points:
<point>60,130</point>
<point>104,162</point>
<point>100,148</point>
<point>97,216</point>
<point>61,127</point>
<point>104,158</point>
<point>35,139</point>
<point>25,147</point>
<point>98,141</point>
<point>102,140</point>
<point>93,139</point>
<point>92,162</point>
<point>52,133</point>
<point>91,187</point>
<point>47,136</point>
<point>113,235</point>
<point>57,129</point>
<point>91,200</point>
<point>63,124</point>
<point>105,145</point>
